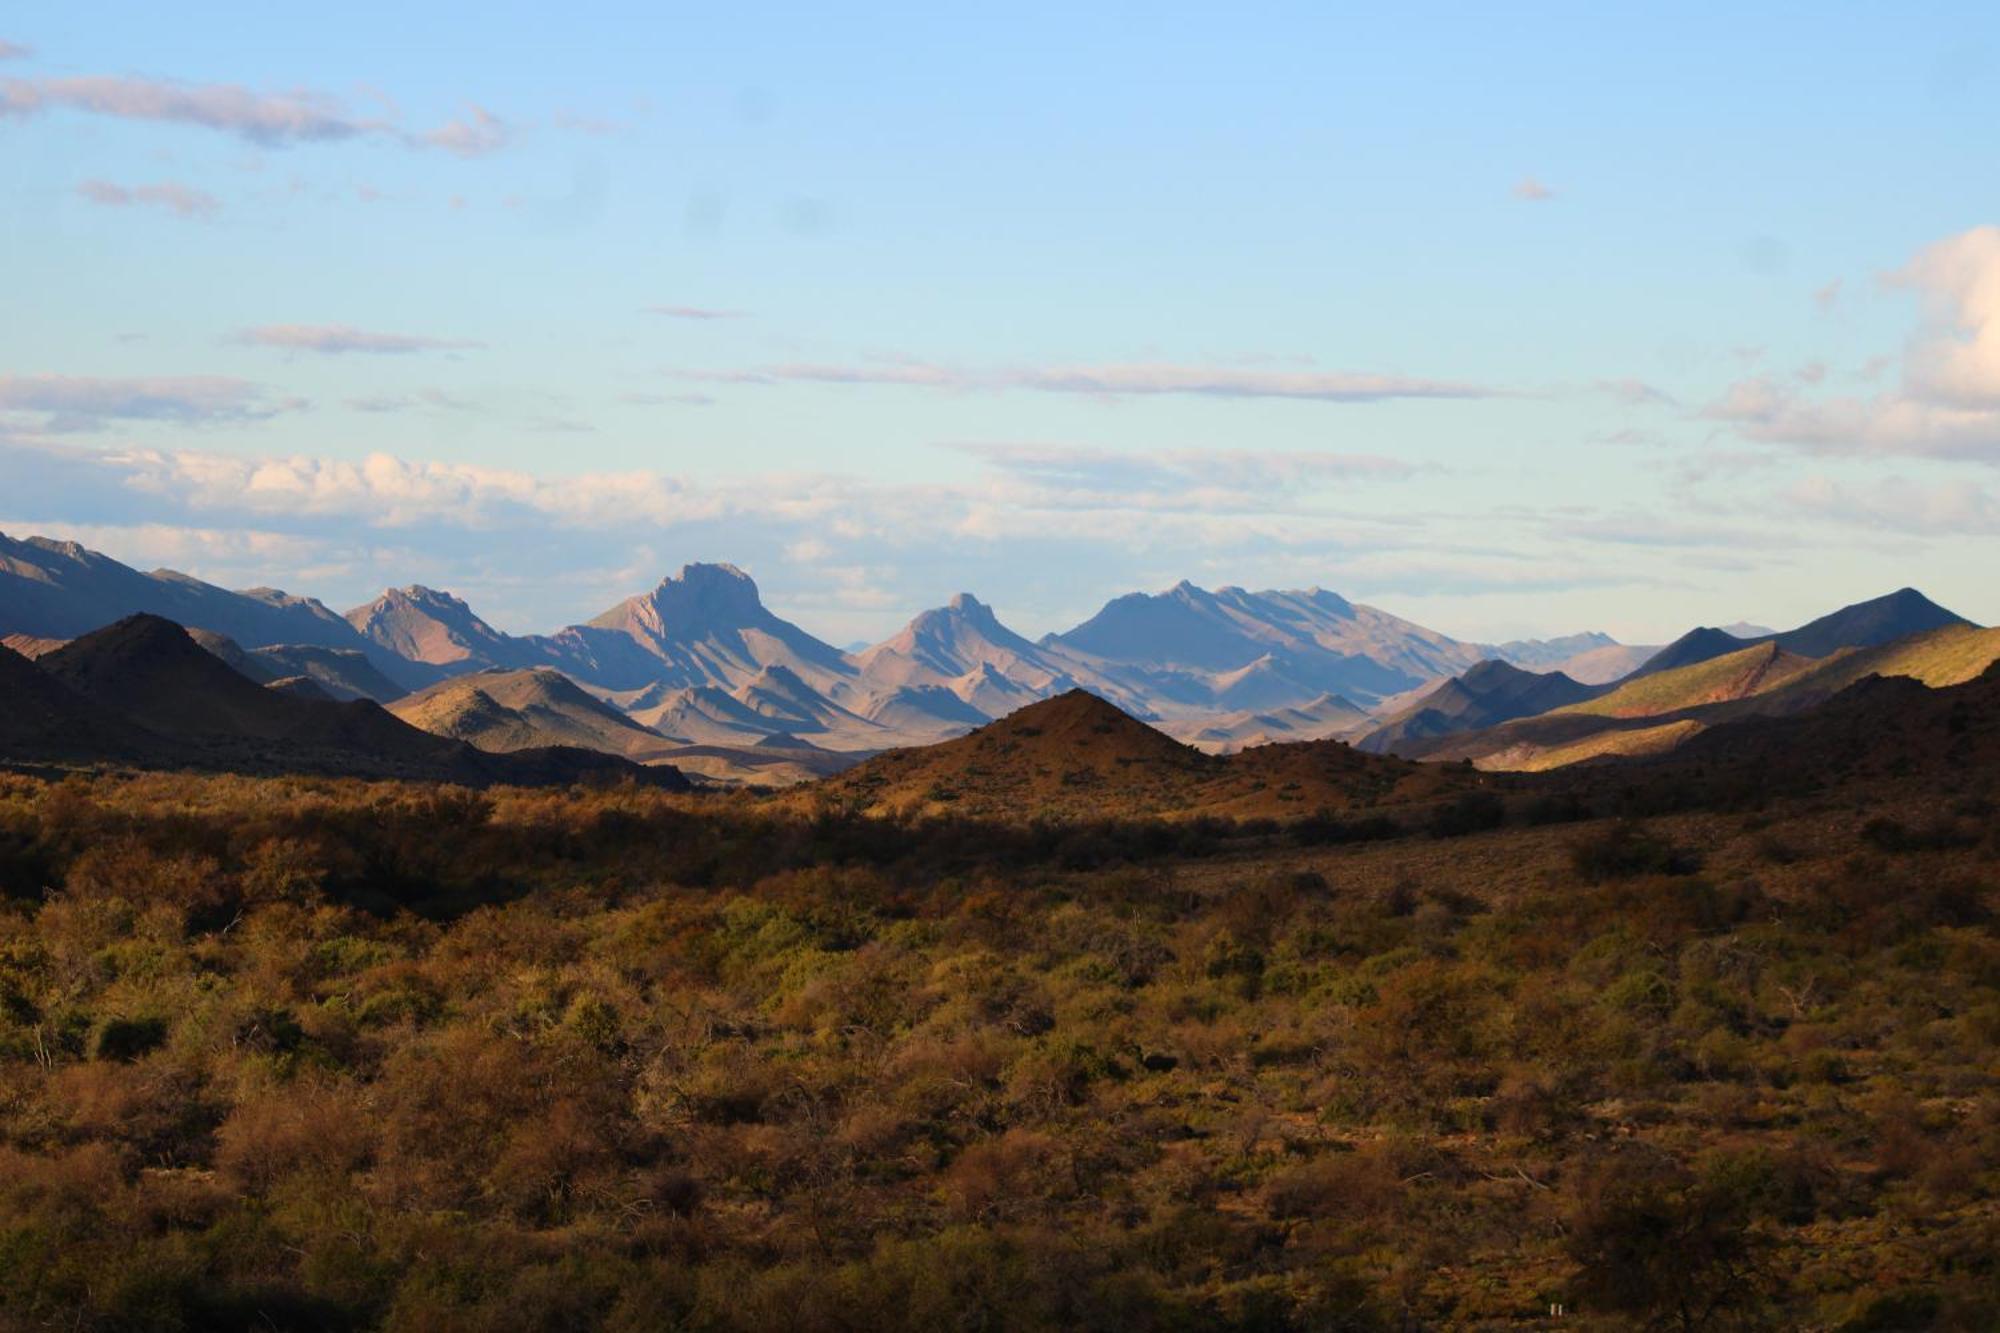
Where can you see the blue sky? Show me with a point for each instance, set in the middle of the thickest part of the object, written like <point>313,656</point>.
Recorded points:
<point>1513,320</point>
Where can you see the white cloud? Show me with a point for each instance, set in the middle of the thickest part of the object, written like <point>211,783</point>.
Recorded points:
<point>1947,405</point>
<point>1529,190</point>
<point>1955,357</point>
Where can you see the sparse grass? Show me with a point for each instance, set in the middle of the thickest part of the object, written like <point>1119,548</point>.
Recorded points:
<point>336,1054</point>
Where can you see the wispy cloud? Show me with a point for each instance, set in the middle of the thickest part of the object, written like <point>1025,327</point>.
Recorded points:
<point>1634,392</point>
<point>1195,474</point>
<point>667,399</point>
<point>83,402</point>
<point>695,312</point>
<point>341,339</point>
<point>268,119</point>
<point>1896,504</point>
<point>403,402</point>
<point>181,200</point>
<point>14,50</point>
<point>1529,190</point>
<point>1117,381</point>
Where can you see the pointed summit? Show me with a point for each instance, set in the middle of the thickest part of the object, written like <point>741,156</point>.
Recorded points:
<point>1865,624</point>
<point>427,625</point>
<point>962,647</point>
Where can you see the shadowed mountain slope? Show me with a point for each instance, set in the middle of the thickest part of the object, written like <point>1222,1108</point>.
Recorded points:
<point>1490,693</point>
<point>148,672</point>
<point>1891,730</point>
<point>1862,625</point>
<point>44,719</point>
<point>1762,680</point>
<point>342,673</point>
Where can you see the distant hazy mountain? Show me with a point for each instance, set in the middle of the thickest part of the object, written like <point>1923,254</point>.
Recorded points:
<point>1601,666</point>
<point>1189,649</point>
<point>962,647</point>
<point>61,590</point>
<point>705,627</point>
<point>1549,654</point>
<point>1325,717</point>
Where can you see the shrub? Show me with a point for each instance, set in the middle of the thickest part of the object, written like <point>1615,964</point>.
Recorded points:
<point>1627,849</point>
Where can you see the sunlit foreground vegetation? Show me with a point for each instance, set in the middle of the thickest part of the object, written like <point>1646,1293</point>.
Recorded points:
<point>329,1054</point>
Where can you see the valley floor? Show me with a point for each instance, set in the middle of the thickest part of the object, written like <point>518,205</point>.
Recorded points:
<point>316,1053</point>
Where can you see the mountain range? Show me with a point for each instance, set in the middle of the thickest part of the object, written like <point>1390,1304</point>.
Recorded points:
<point>142,691</point>
<point>698,671</point>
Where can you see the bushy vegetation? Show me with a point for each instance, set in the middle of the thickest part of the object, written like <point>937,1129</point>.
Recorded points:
<point>337,1055</point>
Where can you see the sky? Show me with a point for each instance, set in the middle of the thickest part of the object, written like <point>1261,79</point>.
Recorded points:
<point>1514,320</point>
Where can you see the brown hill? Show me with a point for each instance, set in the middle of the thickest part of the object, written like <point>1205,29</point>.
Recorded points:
<point>146,672</point>
<point>503,711</point>
<point>1885,732</point>
<point>1077,757</point>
